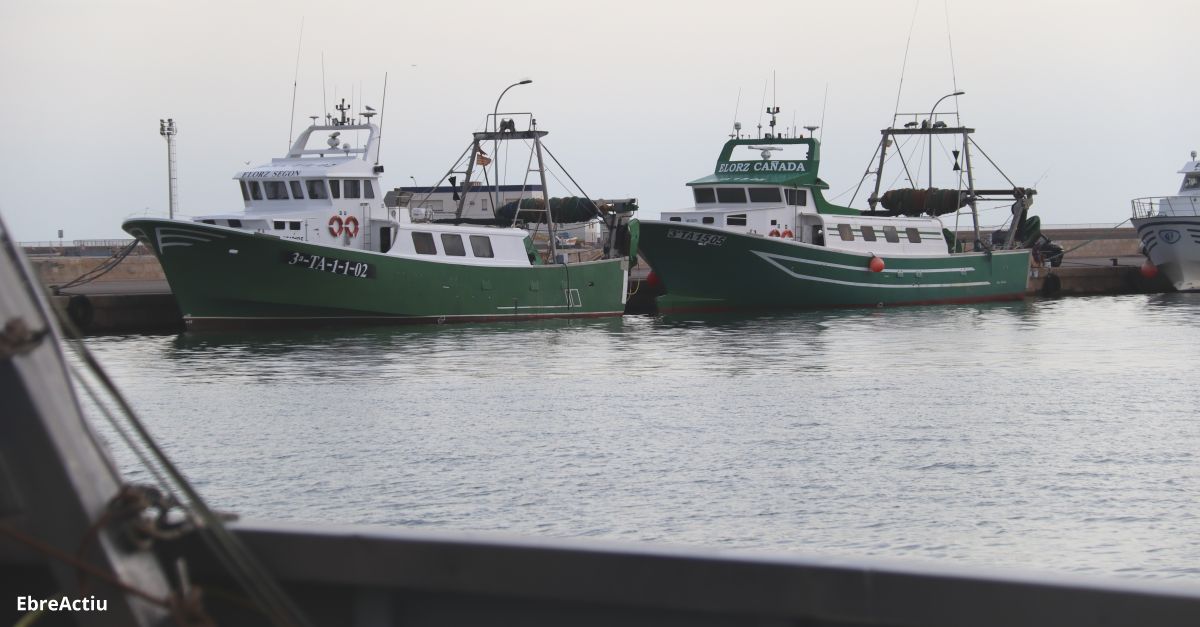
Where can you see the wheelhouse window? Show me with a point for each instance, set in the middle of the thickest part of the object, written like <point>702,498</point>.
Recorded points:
<point>797,197</point>
<point>316,189</point>
<point>676,219</point>
<point>453,245</point>
<point>255,190</point>
<point>913,234</point>
<point>335,188</point>
<point>707,219</point>
<point>868,233</point>
<point>731,194</point>
<point>737,219</point>
<point>1190,182</point>
<point>352,188</point>
<point>297,190</point>
<point>889,234</point>
<point>423,243</point>
<point>481,245</point>
<point>276,190</point>
<point>847,232</point>
<point>245,190</point>
<point>704,195</point>
<point>764,194</point>
<point>237,224</point>
<point>368,189</point>
<point>294,225</point>
<point>278,225</point>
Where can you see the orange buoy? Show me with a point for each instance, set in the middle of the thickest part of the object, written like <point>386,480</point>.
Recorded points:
<point>1149,270</point>
<point>876,264</point>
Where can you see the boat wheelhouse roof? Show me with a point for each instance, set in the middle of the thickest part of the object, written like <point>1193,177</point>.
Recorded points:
<point>735,167</point>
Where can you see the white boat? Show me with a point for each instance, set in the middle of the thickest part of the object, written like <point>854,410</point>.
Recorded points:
<point>1169,227</point>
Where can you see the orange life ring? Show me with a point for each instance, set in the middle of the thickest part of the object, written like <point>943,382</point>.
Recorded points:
<point>351,226</point>
<point>773,233</point>
<point>335,226</point>
<point>788,233</point>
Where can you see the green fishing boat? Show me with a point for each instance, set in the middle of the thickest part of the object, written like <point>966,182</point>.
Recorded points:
<point>762,235</point>
<point>316,244</point>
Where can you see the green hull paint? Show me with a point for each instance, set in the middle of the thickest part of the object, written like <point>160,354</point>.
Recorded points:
<point>218,288</point>
<point>706,269</point>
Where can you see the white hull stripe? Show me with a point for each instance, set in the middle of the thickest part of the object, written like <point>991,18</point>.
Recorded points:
<point>371,317</point>
<point>772,259</point>
<point>830,264</point>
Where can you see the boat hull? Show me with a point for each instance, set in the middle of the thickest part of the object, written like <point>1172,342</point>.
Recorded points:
<point>1172,243</point>
<point>706,269</point>
<point>225,278</point>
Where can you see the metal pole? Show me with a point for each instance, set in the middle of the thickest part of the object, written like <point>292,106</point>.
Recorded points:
<point>167,129</point>
<point>883,144</point>
<point>496,145</point>
<point>935,106</point>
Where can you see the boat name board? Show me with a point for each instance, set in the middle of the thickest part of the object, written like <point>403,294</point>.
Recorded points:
<point>269,174</point>
<point>761,166</point>
<point>701,239</point>
<point>332,265</point>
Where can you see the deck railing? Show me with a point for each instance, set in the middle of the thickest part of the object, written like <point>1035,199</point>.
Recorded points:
<point>1176,205</point>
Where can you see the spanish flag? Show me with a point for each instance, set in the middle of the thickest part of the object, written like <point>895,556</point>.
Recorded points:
<point>482,159</point>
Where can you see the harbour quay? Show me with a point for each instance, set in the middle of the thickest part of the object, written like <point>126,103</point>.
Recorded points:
<point>133,296</point>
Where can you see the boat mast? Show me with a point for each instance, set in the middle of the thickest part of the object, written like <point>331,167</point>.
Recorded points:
<point>971,186</point>
<point>537,145</point>
<point>462,198</point>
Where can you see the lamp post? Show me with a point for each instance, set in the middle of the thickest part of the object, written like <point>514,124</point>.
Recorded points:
<point>496,146</point>
<point>935,106</point>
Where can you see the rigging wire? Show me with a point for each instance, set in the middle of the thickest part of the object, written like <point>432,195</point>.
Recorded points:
<point>904,63</point>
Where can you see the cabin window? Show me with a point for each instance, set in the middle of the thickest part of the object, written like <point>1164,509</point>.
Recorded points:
<point>868,233</point>
<point>209,221</point>
<point>797,197</point>
<point>276,190</point>
<point>731,194</point>
<point>453,245</point>
<point>707,220</point>
<point>335,188</point>
<point>847,232</point>
<point>737,219</point>
<point>278,224</point>
<point>237,224</point>
<point>316,189</point>
<point>297,190</point>
<point>1190,182</point>
<point>255,190</point>
<point>481,246</point>
<point>914,235</point>
<point>889,234</point>
<point>352,186</point>
<point>423,242</point>
<point>368,189</point>
<point>676,219</point>
<point>764,194</point>
<point>704,195</point>
<point>294,225</point>
<point>245,191</point>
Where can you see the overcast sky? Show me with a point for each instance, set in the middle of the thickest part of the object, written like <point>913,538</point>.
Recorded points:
<point>1093,100</point>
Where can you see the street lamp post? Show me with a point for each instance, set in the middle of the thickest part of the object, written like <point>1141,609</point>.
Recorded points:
<point>496,146</point>
<point>935,106</point>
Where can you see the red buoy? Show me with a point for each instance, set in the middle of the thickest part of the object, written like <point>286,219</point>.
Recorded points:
<point>1149,270</point>
<point>876,264</point>
<point>652,280</point>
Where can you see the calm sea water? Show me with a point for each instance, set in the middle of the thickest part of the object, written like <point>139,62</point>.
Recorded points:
<point>1053,435</point>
